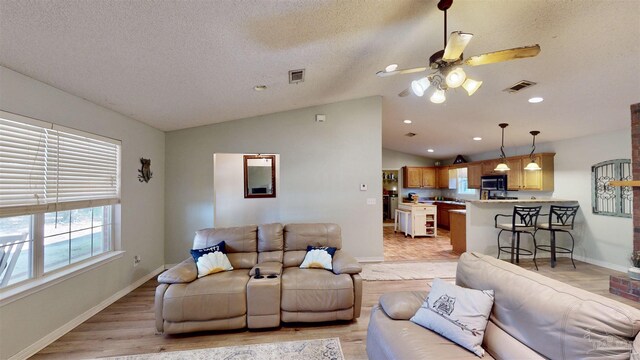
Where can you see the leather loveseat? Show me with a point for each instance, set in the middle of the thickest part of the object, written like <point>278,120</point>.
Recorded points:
<point>533,317</point>
<point>237,299</point>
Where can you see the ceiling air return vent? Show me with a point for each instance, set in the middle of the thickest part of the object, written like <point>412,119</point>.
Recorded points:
<point>410,134</point>
<point>296,76</point>
<point>522,84</point>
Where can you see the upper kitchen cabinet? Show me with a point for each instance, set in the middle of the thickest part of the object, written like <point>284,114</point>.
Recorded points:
<point>419,177</point>
<point>539,180</point>
<point>474,173</point>
<point>488,167</point>
<point>443,177</point>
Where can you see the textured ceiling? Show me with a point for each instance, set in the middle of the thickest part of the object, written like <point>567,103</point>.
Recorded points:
<point>179,64</point>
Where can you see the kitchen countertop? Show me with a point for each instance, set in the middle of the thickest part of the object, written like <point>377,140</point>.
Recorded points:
<point>516,201</point>
<point>418,204</point>
<point>431,202</point>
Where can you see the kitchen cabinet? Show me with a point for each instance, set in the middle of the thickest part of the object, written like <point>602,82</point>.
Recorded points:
<point>443,213</point>
<point>421,221</point>
<point>514,176</point>
<point>488,167</point>
<point>474,173</point>
<point>458,232</point>
<point>419,177</point>
<point>443,177</point>
<point>538,180</point>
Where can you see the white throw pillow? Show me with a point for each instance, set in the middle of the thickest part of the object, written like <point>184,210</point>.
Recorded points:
<point>211,260</point>
<point>457,313</point>
<point>318,257</point>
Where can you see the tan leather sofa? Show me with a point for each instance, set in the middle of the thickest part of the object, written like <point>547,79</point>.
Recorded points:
<point>533,317</point>
<point>236,299</point>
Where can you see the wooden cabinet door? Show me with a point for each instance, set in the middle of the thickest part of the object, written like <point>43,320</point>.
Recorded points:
<point>474,173</point>
<point>429,177</point>
<point>412,177</point>
<point>488,167</point>
<point>514,176</point>
<point>443,216</point>
<point>443,177</point>
<point>532,179</point>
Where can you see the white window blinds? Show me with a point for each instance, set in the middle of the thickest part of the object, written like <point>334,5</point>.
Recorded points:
<point>45,167</point>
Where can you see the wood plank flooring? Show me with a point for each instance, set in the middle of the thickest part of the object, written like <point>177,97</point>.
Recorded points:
<point>128,326</point>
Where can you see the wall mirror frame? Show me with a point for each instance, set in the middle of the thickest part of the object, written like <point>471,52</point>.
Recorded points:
<point>259,176</point>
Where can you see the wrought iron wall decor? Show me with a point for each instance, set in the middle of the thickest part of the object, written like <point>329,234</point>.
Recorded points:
<point>144,173</point>
<point>611,200</point>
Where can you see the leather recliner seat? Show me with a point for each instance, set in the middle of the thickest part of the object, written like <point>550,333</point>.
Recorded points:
<point>312,295</point>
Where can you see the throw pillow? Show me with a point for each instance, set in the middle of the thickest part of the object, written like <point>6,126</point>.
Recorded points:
<point>318,257</point>
<point>211,260</point>
<point>457,313</point>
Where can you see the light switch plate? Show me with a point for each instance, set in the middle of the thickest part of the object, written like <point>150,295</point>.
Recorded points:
<point>363,187</point>
<point>371,201</point>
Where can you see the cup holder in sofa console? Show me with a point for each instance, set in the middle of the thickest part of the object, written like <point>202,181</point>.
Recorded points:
<point>272,276</point>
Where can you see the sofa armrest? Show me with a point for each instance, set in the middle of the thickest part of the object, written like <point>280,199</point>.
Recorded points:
<point>184,272</point>
<point>402,305</point>
<point>343,263</point>
<point>267,268</point>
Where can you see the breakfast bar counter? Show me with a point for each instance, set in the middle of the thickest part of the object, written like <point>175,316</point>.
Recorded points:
<point>480,224</point>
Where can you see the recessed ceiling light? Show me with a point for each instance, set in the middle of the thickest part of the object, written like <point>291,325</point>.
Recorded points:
<point>407,121</point>
<point>430,150</point>
<point>477,138</point>
<point>260,87</point>
<point>535,100</point>
<point>391,67</point>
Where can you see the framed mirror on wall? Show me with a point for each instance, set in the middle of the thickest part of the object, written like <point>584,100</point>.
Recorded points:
<point>259,176</point>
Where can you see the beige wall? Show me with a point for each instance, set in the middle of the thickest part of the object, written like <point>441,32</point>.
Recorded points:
<point>321,168</point>
<point>27,320</point>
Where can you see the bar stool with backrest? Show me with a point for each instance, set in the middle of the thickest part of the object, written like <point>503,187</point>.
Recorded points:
<point>561,218</point>
<point>523,220</point>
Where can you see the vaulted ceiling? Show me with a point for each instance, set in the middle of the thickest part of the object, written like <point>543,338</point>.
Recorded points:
<point>179,64</point>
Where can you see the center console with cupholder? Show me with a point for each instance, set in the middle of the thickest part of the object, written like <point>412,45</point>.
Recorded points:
<point>263,296</point>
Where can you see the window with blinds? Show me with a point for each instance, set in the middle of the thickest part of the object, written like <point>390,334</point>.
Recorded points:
<point>57,191</point>
<point>46,167</point>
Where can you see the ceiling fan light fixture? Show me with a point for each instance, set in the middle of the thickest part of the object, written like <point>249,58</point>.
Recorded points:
<point>471,85</point>
<point>391,68</point>
<point>438,97</point>
<point>420,86</point>
<point>455,77</point>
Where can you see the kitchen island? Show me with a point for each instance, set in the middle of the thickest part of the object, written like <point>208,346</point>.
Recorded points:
<point>420,220</point>
<point>480,224</point>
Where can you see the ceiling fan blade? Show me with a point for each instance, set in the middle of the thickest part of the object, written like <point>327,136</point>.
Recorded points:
<point>455,46</point>
<point>404,93</point>
<point>504,55</point>
<point>383,73</point>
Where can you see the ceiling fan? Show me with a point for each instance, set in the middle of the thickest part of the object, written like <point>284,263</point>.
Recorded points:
<point>446,64</point>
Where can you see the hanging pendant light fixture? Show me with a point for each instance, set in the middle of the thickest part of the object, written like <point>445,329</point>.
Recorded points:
<point>532,165</point>
<point>502,166</point>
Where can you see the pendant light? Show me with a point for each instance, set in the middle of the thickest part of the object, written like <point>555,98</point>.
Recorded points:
<point>532,165</point>
<point>502,166</point>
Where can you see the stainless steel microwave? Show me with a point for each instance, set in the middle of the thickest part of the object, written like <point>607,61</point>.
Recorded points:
<point>494,182</point>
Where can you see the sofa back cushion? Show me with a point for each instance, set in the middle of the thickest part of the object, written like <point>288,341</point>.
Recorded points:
<point>554,319</point>
<point>270,243</point>
<point>298,236</point>
<point>240,242</point>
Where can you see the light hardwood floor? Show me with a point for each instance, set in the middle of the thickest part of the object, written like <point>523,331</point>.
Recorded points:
<point>397,247</point>
<point>128,327</point>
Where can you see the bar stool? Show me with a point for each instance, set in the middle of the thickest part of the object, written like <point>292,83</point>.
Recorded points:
<point>561,218</point>
<point>523,220</point>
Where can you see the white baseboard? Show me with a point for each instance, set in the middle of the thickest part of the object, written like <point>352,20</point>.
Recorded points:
<point>601,263</point>
<point>59,332</point>
<point>370,259</point>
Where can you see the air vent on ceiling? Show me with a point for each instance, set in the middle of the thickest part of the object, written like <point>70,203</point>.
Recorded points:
<point>410,134</point>
<point>522,84</point>
<point>296,76</point>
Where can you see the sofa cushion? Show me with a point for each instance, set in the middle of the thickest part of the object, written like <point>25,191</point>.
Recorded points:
<point>389,339</point>
<point>299,236</point>
<point>315,290</point>
<point>184,272</point>
<point>237,239</point>
<point>217,296</point>
<point>503,346</point>
<point>554,319</point>
<point>402,305</point>
<point>318,257</point>
<point>211,260</point>
<point>457,313</point>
